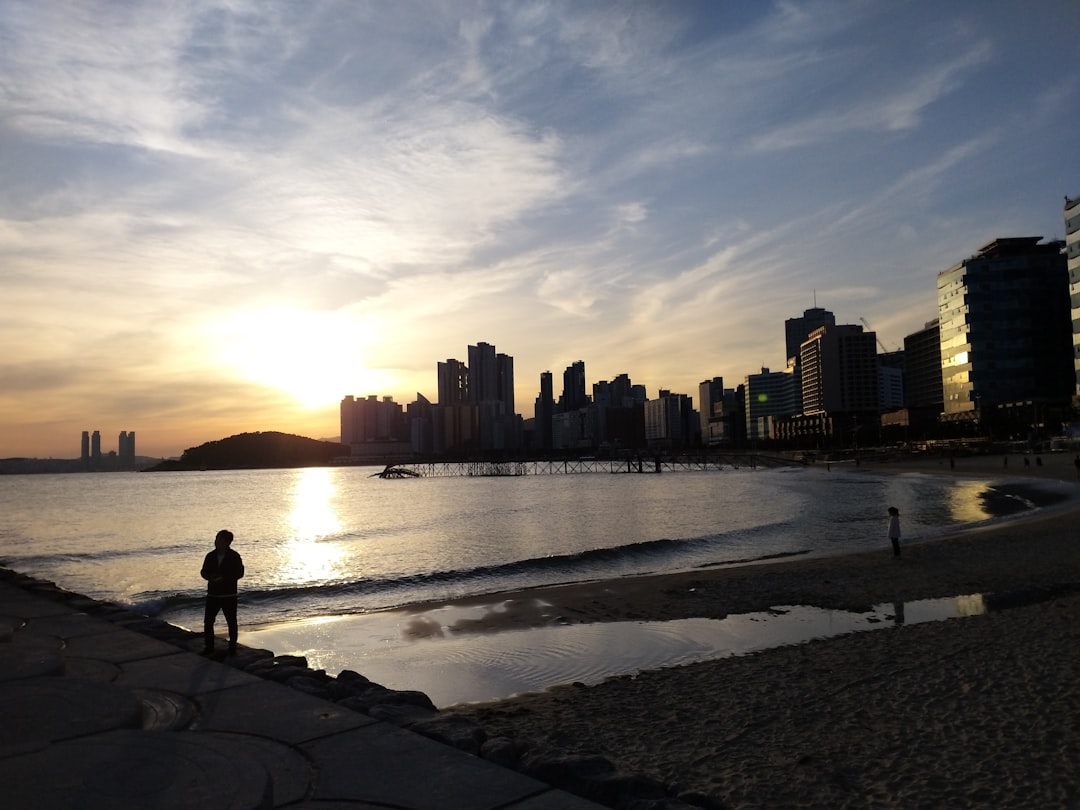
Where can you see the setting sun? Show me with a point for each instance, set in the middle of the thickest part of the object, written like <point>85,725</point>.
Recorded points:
<point>316,358</point>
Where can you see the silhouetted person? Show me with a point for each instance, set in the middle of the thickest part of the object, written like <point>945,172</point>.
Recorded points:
<point>894,530</point>
<point>221,569</point>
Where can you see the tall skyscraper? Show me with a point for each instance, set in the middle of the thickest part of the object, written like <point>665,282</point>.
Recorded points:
<point>483,376</point>
<point>769,396</point>
<point>797,330</point>
<point>671,421</point>
<point>840,372</point>
<point>922,368</point>
<point>544,410</point>
<point>504,382</point>
<point>453,383</point>
<point>573,396</point>
<point>1072,255</point>
<point>1006,327</point>
<point>126,448</point>
<point>711,410</point>
<point>368,420</point>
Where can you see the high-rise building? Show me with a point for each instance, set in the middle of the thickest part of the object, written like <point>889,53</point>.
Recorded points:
<point>671,421</point>
<point>482,393</point>
<point>85,451</point>
<point>922,367</point>
<point>369,420</point>
<point>420,415</point>
<point>769,396</point>
<point>504,382</point>
<point>839,371</point>
<point>491,390</point>
<point>126,448</point>
<point>1072,255</point>
<point>797,330</point>
<point>711,410</point>
<point>1005,327</point>
<point>891,380</point>
<point>453,383</point>
<point>95,448</point>
<point>543,411</point>
<point>573,396</point>
<point>483,375</point>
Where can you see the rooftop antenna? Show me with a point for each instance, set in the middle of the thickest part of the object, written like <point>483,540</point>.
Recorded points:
<point>815,297</point>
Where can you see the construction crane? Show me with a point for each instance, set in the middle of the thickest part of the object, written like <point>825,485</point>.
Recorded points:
<point>880,342</point>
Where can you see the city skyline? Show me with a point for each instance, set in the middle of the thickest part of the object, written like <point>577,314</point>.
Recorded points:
<point>221,218</point>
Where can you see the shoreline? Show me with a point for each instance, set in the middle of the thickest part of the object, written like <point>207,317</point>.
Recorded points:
<point>1020,551</point>
<point>972,712</point>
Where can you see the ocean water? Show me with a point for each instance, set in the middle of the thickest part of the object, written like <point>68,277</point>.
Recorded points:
<point>323,542</point>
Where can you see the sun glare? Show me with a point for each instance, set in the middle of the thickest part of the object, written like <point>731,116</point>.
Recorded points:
<point>316,358</point>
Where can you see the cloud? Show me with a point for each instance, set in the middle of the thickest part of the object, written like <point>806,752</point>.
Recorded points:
<point>650,188</point>
<point>885,109</point>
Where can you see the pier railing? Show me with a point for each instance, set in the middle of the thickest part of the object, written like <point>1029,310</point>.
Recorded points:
<point>713,462</point>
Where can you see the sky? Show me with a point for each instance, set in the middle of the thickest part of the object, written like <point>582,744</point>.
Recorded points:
<point>225,216</point>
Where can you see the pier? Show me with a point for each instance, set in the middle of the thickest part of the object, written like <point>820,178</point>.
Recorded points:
<point>493,468</point>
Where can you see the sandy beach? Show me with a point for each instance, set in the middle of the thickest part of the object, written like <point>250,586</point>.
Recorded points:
<point>975,712</point>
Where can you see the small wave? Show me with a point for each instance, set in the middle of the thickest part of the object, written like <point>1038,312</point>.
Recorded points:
<point>557,566</point>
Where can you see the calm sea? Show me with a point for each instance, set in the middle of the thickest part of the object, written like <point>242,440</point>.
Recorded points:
<point>329,541</point>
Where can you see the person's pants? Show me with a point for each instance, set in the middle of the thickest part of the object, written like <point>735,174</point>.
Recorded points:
<point>227,605</point>
<point>895,551</point>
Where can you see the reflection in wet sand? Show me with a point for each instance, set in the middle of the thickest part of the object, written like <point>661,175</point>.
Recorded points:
<point>463,654</point>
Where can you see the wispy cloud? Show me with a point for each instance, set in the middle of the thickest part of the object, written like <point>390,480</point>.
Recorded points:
<point>650,188</point>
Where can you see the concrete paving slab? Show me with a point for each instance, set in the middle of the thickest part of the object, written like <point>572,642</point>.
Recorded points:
<point>135,770</point>
<point>335,805</point>
<point>197,733</point>
<point>115,644</point>
<point>555,800</point>
<point>273,710</point>
<point>165,711</point>
<point>67,625</point>
<point>30,657</point>
<point>41,710</point>
<point>291,774</point>
<point>17,602</point>
<point>381,763</point>
<point>90,670</point>
<point>184,673</point>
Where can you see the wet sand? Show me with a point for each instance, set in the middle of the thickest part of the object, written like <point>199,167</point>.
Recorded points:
<point>976,712</point>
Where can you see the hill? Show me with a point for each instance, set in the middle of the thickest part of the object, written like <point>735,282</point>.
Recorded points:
<point>249,451</point>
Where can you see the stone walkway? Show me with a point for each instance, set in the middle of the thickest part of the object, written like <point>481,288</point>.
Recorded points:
<point>96,715</point>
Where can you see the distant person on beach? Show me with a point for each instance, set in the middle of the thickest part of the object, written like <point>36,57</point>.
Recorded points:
<point>894,530</point>
<point>221,569</point>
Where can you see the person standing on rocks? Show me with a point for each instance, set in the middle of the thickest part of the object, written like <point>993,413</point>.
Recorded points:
<point>221,569</point>
<point>894,530</point>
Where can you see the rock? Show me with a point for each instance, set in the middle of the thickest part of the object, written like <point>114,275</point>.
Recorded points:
<point>309,686</point>
<point>592,777</point>
<point>350,677</point>
<point>282,674</point>
<point>452,730</point>
<point>363,698</point>
<point>502,751</point>
<point>401,715</point>
<point>294,660</point>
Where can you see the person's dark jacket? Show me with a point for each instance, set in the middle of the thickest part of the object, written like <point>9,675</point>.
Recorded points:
<point>229,570</point>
